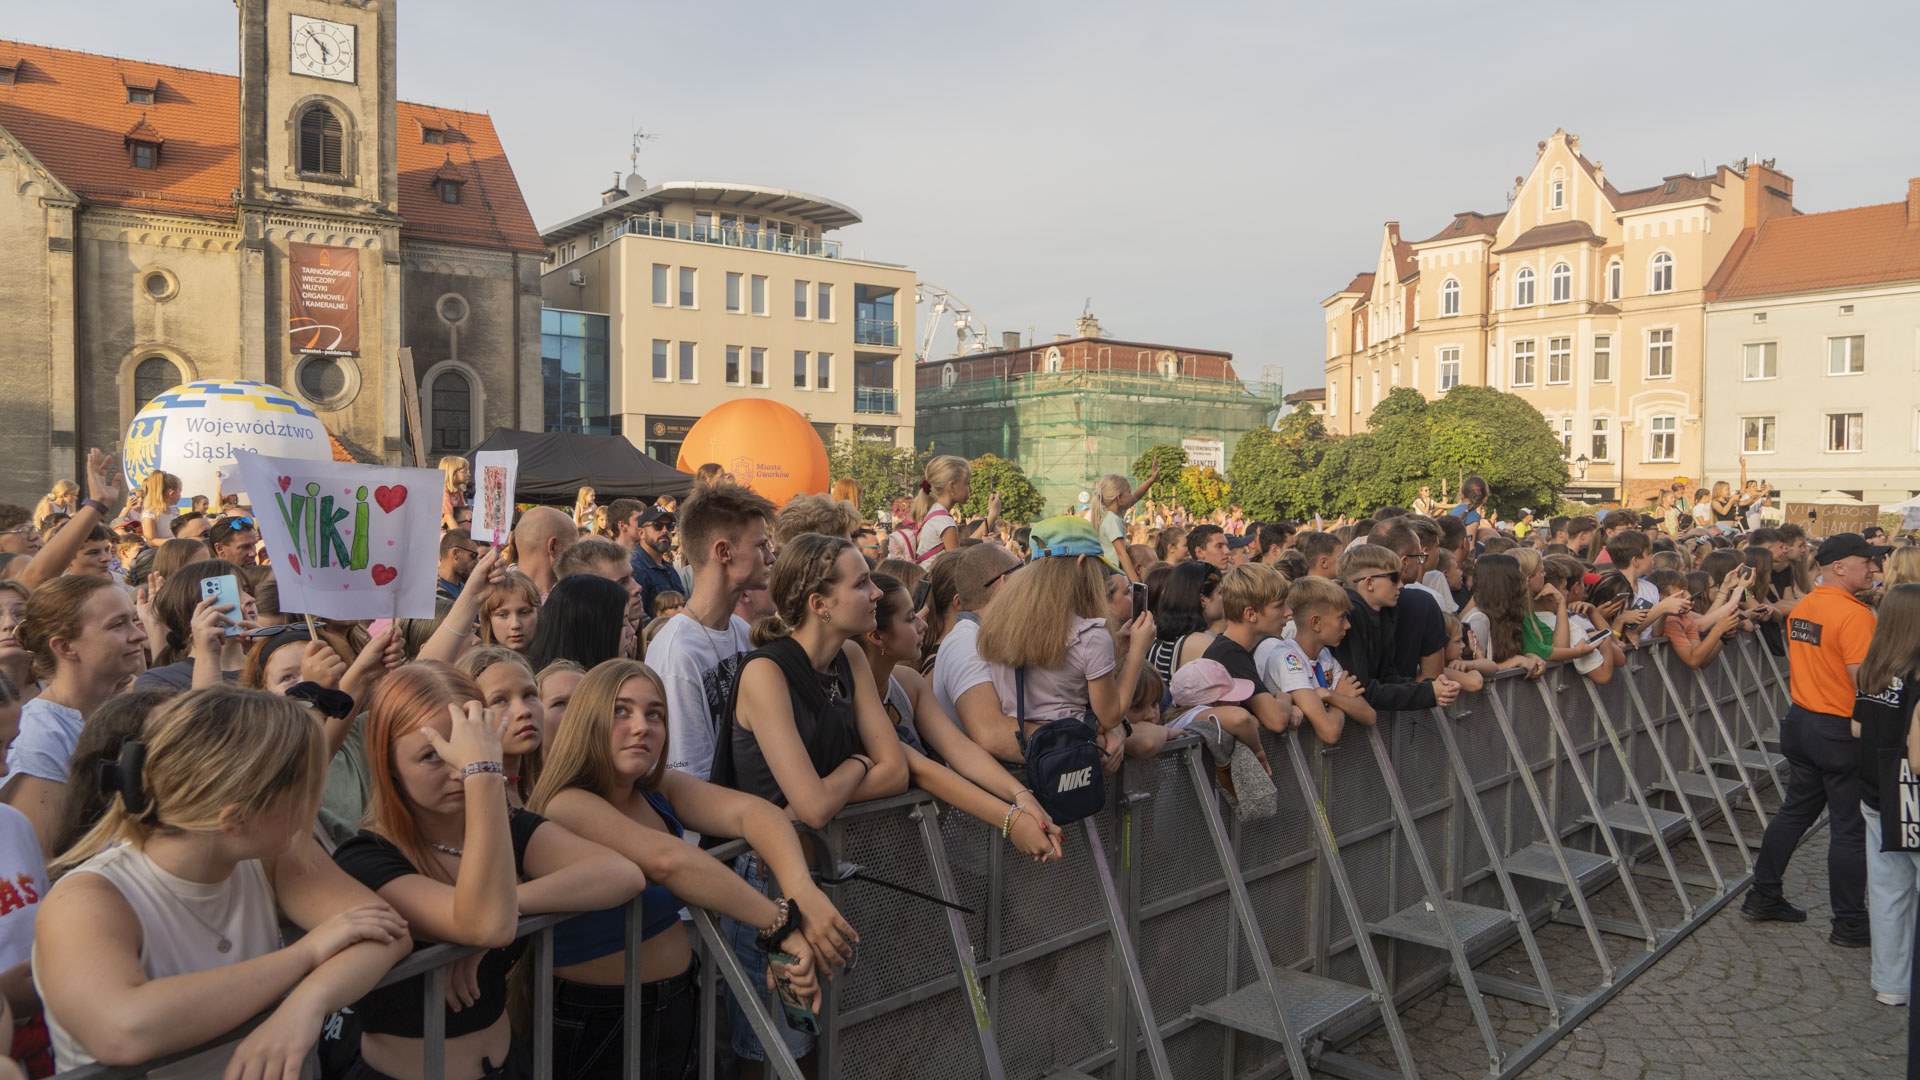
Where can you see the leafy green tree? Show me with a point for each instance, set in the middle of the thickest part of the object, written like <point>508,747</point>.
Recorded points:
<point>1477,431</point>
<point>884,472</point>
<point>1020,503</point>
<point>1172,459</point>
<point>1276,474</point>
<point>1201,490</point>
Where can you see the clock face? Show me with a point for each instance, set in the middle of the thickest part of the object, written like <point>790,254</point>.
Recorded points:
<point>322,49</point>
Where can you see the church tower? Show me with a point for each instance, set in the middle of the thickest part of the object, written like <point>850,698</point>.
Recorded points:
<point>319,206</point>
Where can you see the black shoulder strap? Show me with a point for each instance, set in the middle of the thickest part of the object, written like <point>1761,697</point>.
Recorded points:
<point>1020,709</point>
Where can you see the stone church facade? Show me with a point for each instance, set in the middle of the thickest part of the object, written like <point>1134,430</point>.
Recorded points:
<point>149,216</point>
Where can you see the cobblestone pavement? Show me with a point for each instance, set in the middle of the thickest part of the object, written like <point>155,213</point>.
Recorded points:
<point>1732,1000</point>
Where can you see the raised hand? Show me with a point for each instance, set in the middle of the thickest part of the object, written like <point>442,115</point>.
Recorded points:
<point>476,736</point>
<point>322,665</point>
<point>208,628</point>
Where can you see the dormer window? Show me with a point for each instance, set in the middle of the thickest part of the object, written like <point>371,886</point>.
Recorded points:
<point>7,74</point>
<point>140,92</point>
<point>433,135</point>
<point>449,190</point>
<point>449,179</point>
<point>144,155</point>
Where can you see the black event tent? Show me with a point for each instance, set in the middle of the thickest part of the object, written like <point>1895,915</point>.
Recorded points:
<point>555,464</point>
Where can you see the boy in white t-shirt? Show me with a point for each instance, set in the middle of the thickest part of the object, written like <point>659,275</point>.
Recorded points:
<point>1302,668</point>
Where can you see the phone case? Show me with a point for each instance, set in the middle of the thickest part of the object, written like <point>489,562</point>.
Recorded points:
<point>226,589</point>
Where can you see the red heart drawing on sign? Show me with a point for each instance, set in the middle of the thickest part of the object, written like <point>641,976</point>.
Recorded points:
<point>390,498</point>
<point>286,482</point>
<point>294,561</point>
<point>383,575</point>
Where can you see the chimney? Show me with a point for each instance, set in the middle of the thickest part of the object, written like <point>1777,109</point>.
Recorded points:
<point>1088,326</point>
<point>1063,337</point>
<point>1769,193</point>
<point>613,194</point>
<point>1010,339</point>
<point>1913,203</point>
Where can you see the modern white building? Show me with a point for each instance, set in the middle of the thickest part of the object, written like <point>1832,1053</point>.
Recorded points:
<point>1813,354</point>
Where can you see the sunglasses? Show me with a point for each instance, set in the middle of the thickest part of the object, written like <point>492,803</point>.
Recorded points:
<point>1002,575</point>
<point>259,632</point>
<point>1390,575</point>
<point>228,526</point>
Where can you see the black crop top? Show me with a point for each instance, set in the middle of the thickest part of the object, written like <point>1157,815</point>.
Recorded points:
<point>396,1009</point>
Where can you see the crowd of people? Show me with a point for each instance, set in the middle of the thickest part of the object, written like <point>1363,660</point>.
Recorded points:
<point>614,689</point>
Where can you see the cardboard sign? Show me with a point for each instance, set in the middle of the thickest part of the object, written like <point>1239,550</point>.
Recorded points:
<point>494,474</point>
<point>1825,521</point>
<point>348,541</point>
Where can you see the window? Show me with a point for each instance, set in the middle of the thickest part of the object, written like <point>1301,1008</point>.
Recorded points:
<point>152,377</point>
<point>823,371</point>
<point>1660,354</point>
<point>1846,433</point>
<point>687,367</point>
<point>758,358</point>
<point>799,369</point>
<point>452,412</point>
<point>1846,309</point>
<point>660,361</point>
<point>322,140</point>
<point>1559,193</point>
<point>1523,353</point>
<point>1759,317</point>
<point>1847,355</point>
<point>801,292</point>
<point>433,135</point>
<point>1613,280</point>
<point>450,190</point>
<point>1603,358</point>
<point>1756,434</point>
<point>1523,288</point>
<point>733,293</point>
<point>1763,360</point>
<point>758,295</point>
<point>143,155</point>
<point>1660,274</point>
<point>1449,369</point>
<point>823,307</point>
<point>1566,437</point>
<point>1562,281</point>
<point>733,366</point>
<point>1450,297</point>
<point>688,280</point>
<point>1602,449</point>
<point>1662,438</point>
<point>662,294</point>
<point>6,76</point>
<point>1560,360</point>
<point>139,95</point>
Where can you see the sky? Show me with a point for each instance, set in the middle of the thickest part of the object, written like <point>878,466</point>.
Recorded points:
<point>1202,174</point>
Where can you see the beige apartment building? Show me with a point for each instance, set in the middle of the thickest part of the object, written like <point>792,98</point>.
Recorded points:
<point>715,291</point>
<point>1813,354</point>
<point>1586,300</point>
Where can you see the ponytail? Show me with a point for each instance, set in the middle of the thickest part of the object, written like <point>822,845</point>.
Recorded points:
<point>942,473</point>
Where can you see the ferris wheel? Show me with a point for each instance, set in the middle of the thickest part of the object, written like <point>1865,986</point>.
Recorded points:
<point>940,306</point>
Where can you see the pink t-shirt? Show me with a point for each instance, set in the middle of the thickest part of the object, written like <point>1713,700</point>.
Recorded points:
<point>1057,693</point>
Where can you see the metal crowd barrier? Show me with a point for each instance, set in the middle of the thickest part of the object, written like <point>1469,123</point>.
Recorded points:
<point>1176,942</point>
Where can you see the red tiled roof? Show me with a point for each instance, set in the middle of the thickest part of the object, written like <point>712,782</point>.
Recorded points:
<point>1468,223</point>
<point>1361,283</point>
<point>1867,245</point>
<point>70,110</point>
<point>1560,232</point>
<point>1677,188</point>
<point>1404,261</point>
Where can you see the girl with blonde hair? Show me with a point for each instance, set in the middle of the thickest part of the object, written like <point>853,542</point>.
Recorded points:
<point>607,779</point>
<point>159,505</point>
<point>1902,567</point>
<point>455,476</point>
<point>1112,498</point>
<point>584,507</point>
<point>62,499</point>
<point>164,932</point>
<point>947,483</point>
<point>443,846</point>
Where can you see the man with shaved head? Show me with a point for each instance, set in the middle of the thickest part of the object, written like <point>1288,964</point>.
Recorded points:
<point>962,682</point>
<point>541,537</point>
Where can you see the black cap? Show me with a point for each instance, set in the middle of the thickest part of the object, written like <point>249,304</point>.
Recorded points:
<point>1235,543</point>
<point>654,513</point>
<point>1843,545</point>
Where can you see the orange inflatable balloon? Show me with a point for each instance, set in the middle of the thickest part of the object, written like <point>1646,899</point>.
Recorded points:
<point>767,446</point>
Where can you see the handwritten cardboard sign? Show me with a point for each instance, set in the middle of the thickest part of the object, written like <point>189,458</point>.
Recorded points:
<point>494,474</point>
<point>348,541</point>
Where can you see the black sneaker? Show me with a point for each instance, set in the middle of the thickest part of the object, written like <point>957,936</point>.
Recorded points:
<point>1851,936</point>
<point>1760,908</point>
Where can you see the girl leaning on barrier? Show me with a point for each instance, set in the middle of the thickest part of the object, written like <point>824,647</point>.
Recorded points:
<point>1888,681</point>
<point>806,730</point>
<point>445,849</point>
<point>933,742</point>
<point>163,930</point>
<point>606,779</point>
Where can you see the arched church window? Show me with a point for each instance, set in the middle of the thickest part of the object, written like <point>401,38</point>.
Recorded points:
<point>452,412</point>
<point>322,142</point>
<point>152,377</point>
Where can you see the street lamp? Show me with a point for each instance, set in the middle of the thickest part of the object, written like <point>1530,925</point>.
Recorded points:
<point>1580,466</point>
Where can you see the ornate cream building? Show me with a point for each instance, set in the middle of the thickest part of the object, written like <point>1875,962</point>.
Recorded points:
<point>1588,301</point>
<point>151,216</point>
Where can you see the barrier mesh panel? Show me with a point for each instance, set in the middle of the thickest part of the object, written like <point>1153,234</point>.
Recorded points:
<point>1183,956</point>
<point>932,1038</point>
<point>1283,904</point>
<point>1172,846</point>
<point>902,945</point>
<point>1054,1009</point>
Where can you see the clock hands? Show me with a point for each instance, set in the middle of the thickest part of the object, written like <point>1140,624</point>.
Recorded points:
<point>326,54</point>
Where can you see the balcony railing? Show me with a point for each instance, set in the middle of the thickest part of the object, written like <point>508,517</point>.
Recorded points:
<point>876,332</point>
<point>874,399</point>
<point>753,239</point>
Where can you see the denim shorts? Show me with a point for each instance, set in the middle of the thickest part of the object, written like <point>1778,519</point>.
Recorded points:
<point>746,1045</point>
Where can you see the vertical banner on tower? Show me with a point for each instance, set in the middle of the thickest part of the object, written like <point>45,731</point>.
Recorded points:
<point>323,300</point>
<point>494,474</point>
<point>347,541</point>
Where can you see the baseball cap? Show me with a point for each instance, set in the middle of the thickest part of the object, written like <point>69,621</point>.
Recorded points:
<point>1842,545</point>
<point>1235,543</point>
<point>1206,682</point>
<point>654,514</point>
<point>1066,535</point>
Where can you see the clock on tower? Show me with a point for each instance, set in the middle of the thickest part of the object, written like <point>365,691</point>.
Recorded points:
<point>321,49</point>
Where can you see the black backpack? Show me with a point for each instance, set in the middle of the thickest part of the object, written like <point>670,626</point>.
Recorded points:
<point>1063,762</point>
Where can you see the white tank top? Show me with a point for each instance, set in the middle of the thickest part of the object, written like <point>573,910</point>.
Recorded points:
<point>173,941</point>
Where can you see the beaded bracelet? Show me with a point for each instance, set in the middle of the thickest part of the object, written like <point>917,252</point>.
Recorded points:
<point>1013,814</point>
<point>480,768</point>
